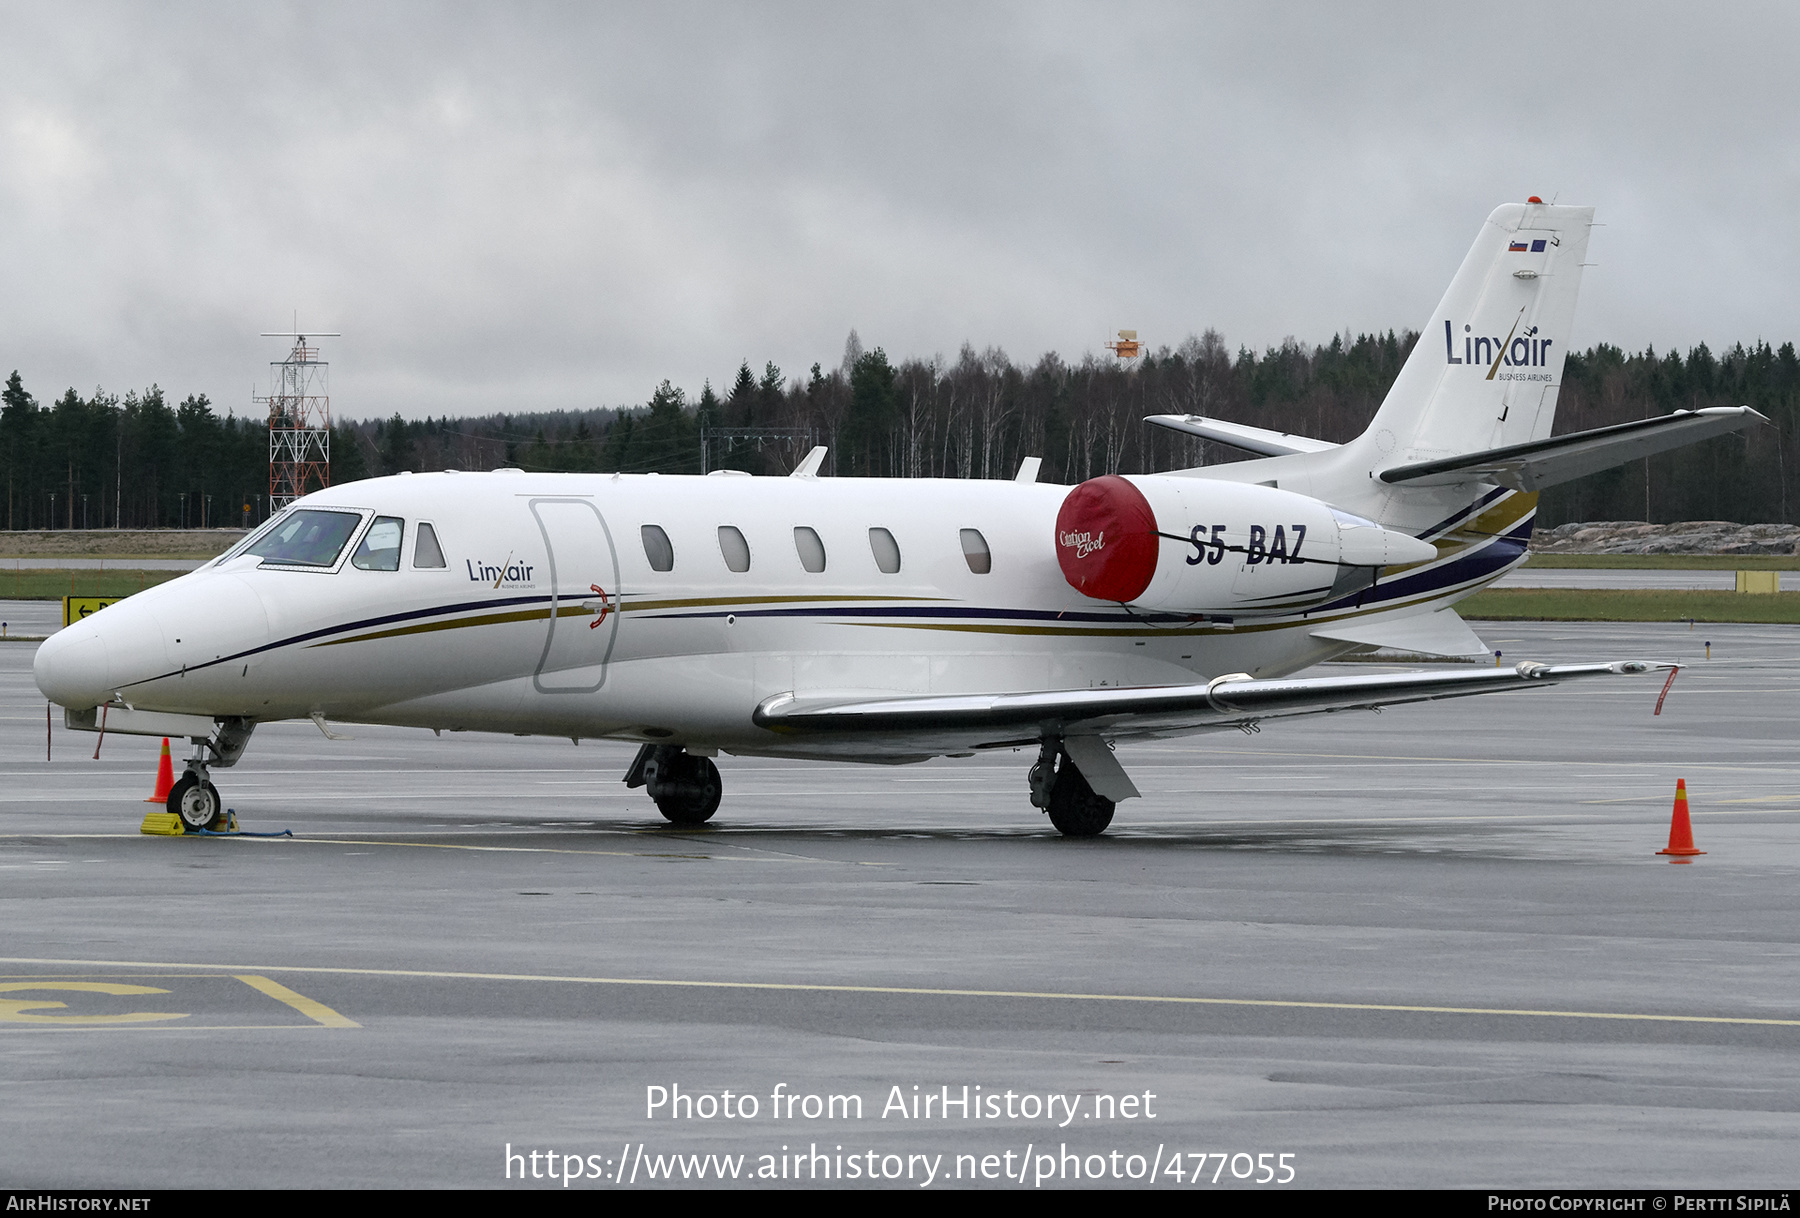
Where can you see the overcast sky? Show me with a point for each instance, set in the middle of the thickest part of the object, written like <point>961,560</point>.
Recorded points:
<point>518,206</point>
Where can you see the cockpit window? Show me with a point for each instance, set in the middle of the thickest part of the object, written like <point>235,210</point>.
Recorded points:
<point>380,548</point>
<point>426,551</point>
<point>308,538</point>
<point>249,539</point>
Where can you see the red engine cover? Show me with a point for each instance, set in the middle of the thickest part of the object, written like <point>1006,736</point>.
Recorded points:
<point>1106,539</point>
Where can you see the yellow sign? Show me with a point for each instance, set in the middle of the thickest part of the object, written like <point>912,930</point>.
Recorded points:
<point>1759,581</point>
<point>77,607</point>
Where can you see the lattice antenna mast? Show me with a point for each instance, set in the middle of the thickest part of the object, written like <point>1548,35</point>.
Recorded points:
<point>299,405</point>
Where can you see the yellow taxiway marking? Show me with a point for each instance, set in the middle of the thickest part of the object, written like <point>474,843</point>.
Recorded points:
<point>13,1010</point>
<point>17,1010</point>
<point>624,854</point>
<point>308,1007</point>
<point>1386,757</point>
<point>1659,799</point>
<point>935,992</point>
<point>314,840</point>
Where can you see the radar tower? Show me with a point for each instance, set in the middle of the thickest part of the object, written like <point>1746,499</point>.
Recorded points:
<point>299,405</point>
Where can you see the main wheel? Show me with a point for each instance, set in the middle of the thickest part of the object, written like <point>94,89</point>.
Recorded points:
<point>1074,808</point>
<point>691,795</point>
<point>197,803</point>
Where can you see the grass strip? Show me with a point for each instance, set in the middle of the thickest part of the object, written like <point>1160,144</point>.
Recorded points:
<point>1664,562</point>
<point>1629,605</point>
<point>26,584</point>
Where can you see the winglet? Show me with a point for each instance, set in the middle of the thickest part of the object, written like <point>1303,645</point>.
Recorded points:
<point>1028,469</point>
<point>809,465</point>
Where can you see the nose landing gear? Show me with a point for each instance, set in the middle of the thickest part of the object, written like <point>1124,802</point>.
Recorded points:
<point>196,801</point>
<point>193,798</point>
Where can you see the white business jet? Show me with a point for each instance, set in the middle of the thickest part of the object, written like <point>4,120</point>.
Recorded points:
<point>890,620</point>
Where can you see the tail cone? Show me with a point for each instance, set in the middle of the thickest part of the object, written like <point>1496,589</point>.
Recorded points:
<point>1681,831</point>
<point>165,777</point>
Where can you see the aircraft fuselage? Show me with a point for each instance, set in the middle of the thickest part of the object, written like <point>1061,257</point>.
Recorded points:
<point>549,614</point>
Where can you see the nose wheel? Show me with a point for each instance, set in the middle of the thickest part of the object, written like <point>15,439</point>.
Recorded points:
<point>196,801</point>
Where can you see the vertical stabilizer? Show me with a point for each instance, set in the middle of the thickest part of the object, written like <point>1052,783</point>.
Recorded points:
<point>1486,370</point>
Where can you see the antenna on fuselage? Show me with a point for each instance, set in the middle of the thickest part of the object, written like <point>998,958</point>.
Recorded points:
<point>299,405</point>
<point>809,465</point>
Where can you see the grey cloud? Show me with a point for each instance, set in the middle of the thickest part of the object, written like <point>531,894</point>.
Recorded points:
<point>559,205</point>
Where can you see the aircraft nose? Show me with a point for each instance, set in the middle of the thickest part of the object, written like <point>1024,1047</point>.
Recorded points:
<point>71,667</point>
<point>84,663</point>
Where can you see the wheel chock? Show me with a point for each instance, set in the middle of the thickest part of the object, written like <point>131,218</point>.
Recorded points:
<point>1681,829</point>
<point>167,824</point>
<point>231,829</point>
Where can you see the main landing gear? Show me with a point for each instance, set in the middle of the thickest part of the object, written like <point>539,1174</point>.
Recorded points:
<point>1060,789</point>
<point>685,788</point>
<point>193,798</point>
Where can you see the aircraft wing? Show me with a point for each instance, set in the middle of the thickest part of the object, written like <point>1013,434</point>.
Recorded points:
<point>1240,435</point>
<point>1539,463</point>
<point>989,720</point>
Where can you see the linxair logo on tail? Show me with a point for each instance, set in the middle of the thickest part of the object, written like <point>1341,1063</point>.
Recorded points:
<point>1514,350</point>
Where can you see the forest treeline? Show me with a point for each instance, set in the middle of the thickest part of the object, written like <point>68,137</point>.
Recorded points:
<point>140,460</point>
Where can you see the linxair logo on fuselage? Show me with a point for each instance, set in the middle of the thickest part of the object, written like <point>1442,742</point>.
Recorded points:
<point>1513,350</point>
<point>505,574</point>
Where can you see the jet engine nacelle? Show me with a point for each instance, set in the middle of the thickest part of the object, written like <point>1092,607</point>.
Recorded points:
<point>1196,546</point>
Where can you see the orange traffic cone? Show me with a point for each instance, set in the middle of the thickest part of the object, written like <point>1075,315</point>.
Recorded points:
<point>1681,832</point>
<point>165,777</point>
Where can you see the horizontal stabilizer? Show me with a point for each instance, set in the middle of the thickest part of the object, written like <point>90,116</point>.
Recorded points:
<point>1443,633</point>
<point>1240,435</point>
<point>1539,463</point>
<point>954,721</point>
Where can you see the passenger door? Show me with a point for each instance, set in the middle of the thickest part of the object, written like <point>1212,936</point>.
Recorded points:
<point>583,622</point>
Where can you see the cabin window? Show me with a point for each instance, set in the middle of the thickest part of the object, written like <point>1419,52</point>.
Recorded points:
<point>886,550</point>
<point>426,551</point>
<point>735,549</point>
<point>976,553</point>
<point>308,538</point>
<point>380,548</point>
<point>810,548</point>
<point>657,548</point>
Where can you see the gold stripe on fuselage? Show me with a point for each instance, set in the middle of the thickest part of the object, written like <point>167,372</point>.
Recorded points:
<point>1496,521</point>
<point>575,610</point>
